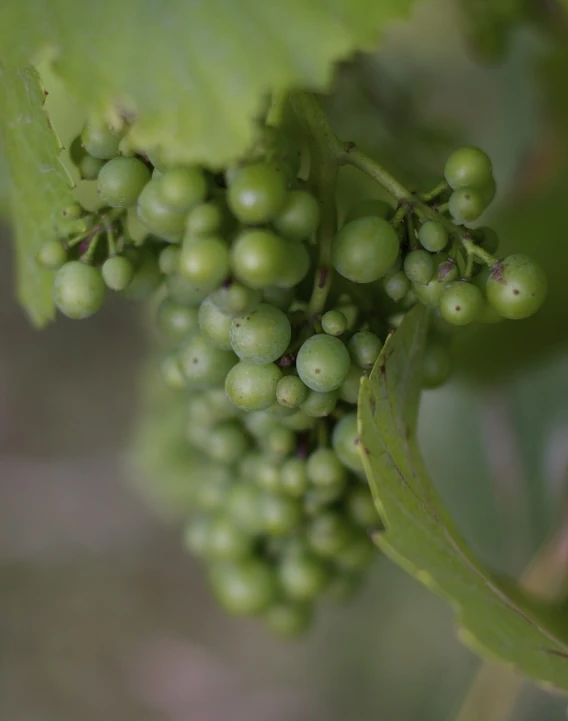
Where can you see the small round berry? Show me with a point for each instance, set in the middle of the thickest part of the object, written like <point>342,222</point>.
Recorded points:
<point>291,391</point>
<point>466,204</point>
<point>334,323</point>
<point>323,363</point>
<point>468,167</point>
<point>299,216</point>
<point>461,303</point>
<point>419,266</point>
<point>258,257</point>
<point>433,236</point>
<point>244,588</point>
<point>257,194</point>
<point>121,181</point>
<point>252,387</point>
<point>79,289</point>
<point>365,249</point>
<point>117,272</point>
<point>52,255</point>
<point>516,287</point>
<point>364,348</point>
<point>261,336</point>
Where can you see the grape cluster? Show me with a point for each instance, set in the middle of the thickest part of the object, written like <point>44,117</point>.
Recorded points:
<point>283,515</point>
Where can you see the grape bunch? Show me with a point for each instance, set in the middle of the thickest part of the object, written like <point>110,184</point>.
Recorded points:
<point>268,321</point>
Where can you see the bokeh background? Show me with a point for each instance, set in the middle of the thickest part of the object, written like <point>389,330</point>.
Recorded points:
<point>102,615</point>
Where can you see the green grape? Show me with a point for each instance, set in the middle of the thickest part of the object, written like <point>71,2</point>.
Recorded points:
<point>364,348</point>
<point>349,389</point>
<point>227,442</point>
<point>365,249</point>
<point>436,366</point>
<point>466,205</point>
<point>294,479</point>
<point>146,278</point>
<point>126,148</point>
<point>361,507</point>
<point>258,257</point>
<point>345,442</point>
<point>291,391</point>
<point>325,469</point>
<point>488,313</point>
<point>461,303</point>
<point>257,194</point>
<point>157,216</point>
<point>319,404</point>
<point>205,262</point>
<point>468,167</point>
<point>168,260</point>
<point>183,188</point>
<point>89,167</point>
<point>419,266</point>
<point>328,533</point>
<point>323,363</point>
<point>211,494</point>
<point>334,323</point>
<point>297,266</point>
<point>219,405</point>
<point>357,555</point>
<point>280,441</point>
<point>76,151</point>
<point>262,336</point>
<point>245,588</point>
<point>396,285</point>
<point>266,474</point>
<point>204,219</point>
<point>172,373</point>
<point>235,299</point>
<point>78,290</point>
<point>183,292</point>
<point>299,217</point>
<point>52,255</point>
<point>517,287</point>
<point>280,297</point>
<point>289,619</point>
<point>158,159</point>
<point>280,514</point>
<point>215,324</point>
<point>252,387</point>
<point>370,207</point>
<point>117,272</point>
<point>226,541</point>
<point>431,292</point>
<point>302,575</point>
<point>433,236</point>
<point>99,141</point>
<point>318,500</point>
<point>196,535</point>
<point>203,364</point>
<point>259,424</point>
<point>73,211</point>
<point>242,505</point>
<point>299,421</point>
<point>121,180</point>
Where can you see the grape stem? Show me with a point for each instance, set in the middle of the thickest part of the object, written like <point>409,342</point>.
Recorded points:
<point>474,250</point>
<point>431,195</point>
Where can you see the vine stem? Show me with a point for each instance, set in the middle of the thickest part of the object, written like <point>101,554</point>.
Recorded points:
<point>431,195</point>
<point>351,155</point>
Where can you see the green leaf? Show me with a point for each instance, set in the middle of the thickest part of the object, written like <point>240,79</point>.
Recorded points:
<point>40,187</point>
<point>496,618</point>
<point>194,72</point>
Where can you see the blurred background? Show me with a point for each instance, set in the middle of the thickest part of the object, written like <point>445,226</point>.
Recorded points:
<point>102,615</point>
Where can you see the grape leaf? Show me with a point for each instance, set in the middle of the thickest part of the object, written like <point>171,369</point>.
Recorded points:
<point>40,187</point>
<point>496,618</point>
<point>194,72</point>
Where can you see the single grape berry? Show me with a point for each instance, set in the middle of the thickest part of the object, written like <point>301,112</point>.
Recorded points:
<point>204,262</point>
<point>172,373</point>
<point>252,387</point>
<point>89,167</point>
<point>288,619</point>
<point>79,289</point>
<point>334,322</point>
<point>235,299</point>
<point>121,180</point>
<point>168,259</point>
<point>182,188</point>
<point>364,348</point>
<point>431,292</point>
<point>257,194</point>
<point>299,217</point>
<point>52,255</point>
<point>73,211</point>
<point>318,405</point>
<point>117,272</point>
<point>294,479</point>
<point>433,236</point>
<point>365,249</point>
<point>146,278</point>
<point>468,167</point>
<point>227,442</point>
<point>280,515</point>
<point>516,287</point>
<point>328,533</point>
<point>241,504</point>
<point>157,215</point>
<point>291,391</point>
<point>370,207</point>
<point>226,541</point>
<point>346,444</point>
<point>258,258</point>
<point>99,141</point>
<point>461,303</point>
<point>302,575</point>
<point>323,363</point>
<point>204,219</point>
<point>361,508</point>
<point>466,204</point>
<point>280,441</point>
<point>349,389</point>
<point>244,588</point>
<point>325,469</point>
<point>297,265</point>
<point>176,321</point>
<point>203,364</point>
<point>396,285</point>
<point>419,266</point>
<point>262,335</point>
<point>215,324</point>
<point>436,366</point>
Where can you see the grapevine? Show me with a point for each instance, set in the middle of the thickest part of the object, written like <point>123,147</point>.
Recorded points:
<point>270,313</point>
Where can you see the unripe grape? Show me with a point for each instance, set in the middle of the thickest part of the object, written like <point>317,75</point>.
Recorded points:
<point>323,363</point>
<point>235,299</point>
<point>242,505</point>
<point>433,236</point>
<point>461,303</point>
<point>328,533</point>
<point>280,515</point>
<point>203,364</point>
<point>356,555</point>
<point>297,266</point>
<point>261,336</point>
<point>291,391</point>
<point>349,389</point>
<point>227,442</point>
<point>204,262</point>
<point>299,216</point>
<point>252,387</point>
<point>431,292</point>
<point>466,204</point>
<point>334,322</point>
<point>280,441</point>
<point>121,181</point>
<point>318,405</point>
<point>182,188</point>
<point>257,194</point>
<point>258,257</point>
<point>146,278</point>
<point>89,167</point>
<point>52,255</point>
<point>325,469</point>
<point>99,141</point>
<point>196,535</point>
<point>204,219</point>
<point>168,260</point>
<point>517,287</point>
<point>346,443</point>
<point>294,477</point>
<point>172,373</point>
<point>244,588</point>
<point>79,290</point>
<point>419,266</point>
<point>183,292</point>
<point>365,249</point>
<point>361,507</point>
<point>364,348</point>
<point>396,285</point>
<point>157,215</point>
<point>302,576</point>
<point>73,211</point>
<point>215,324</point>
<point>468,167</point>
<point>117,272</point>
<point>226,541</point>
